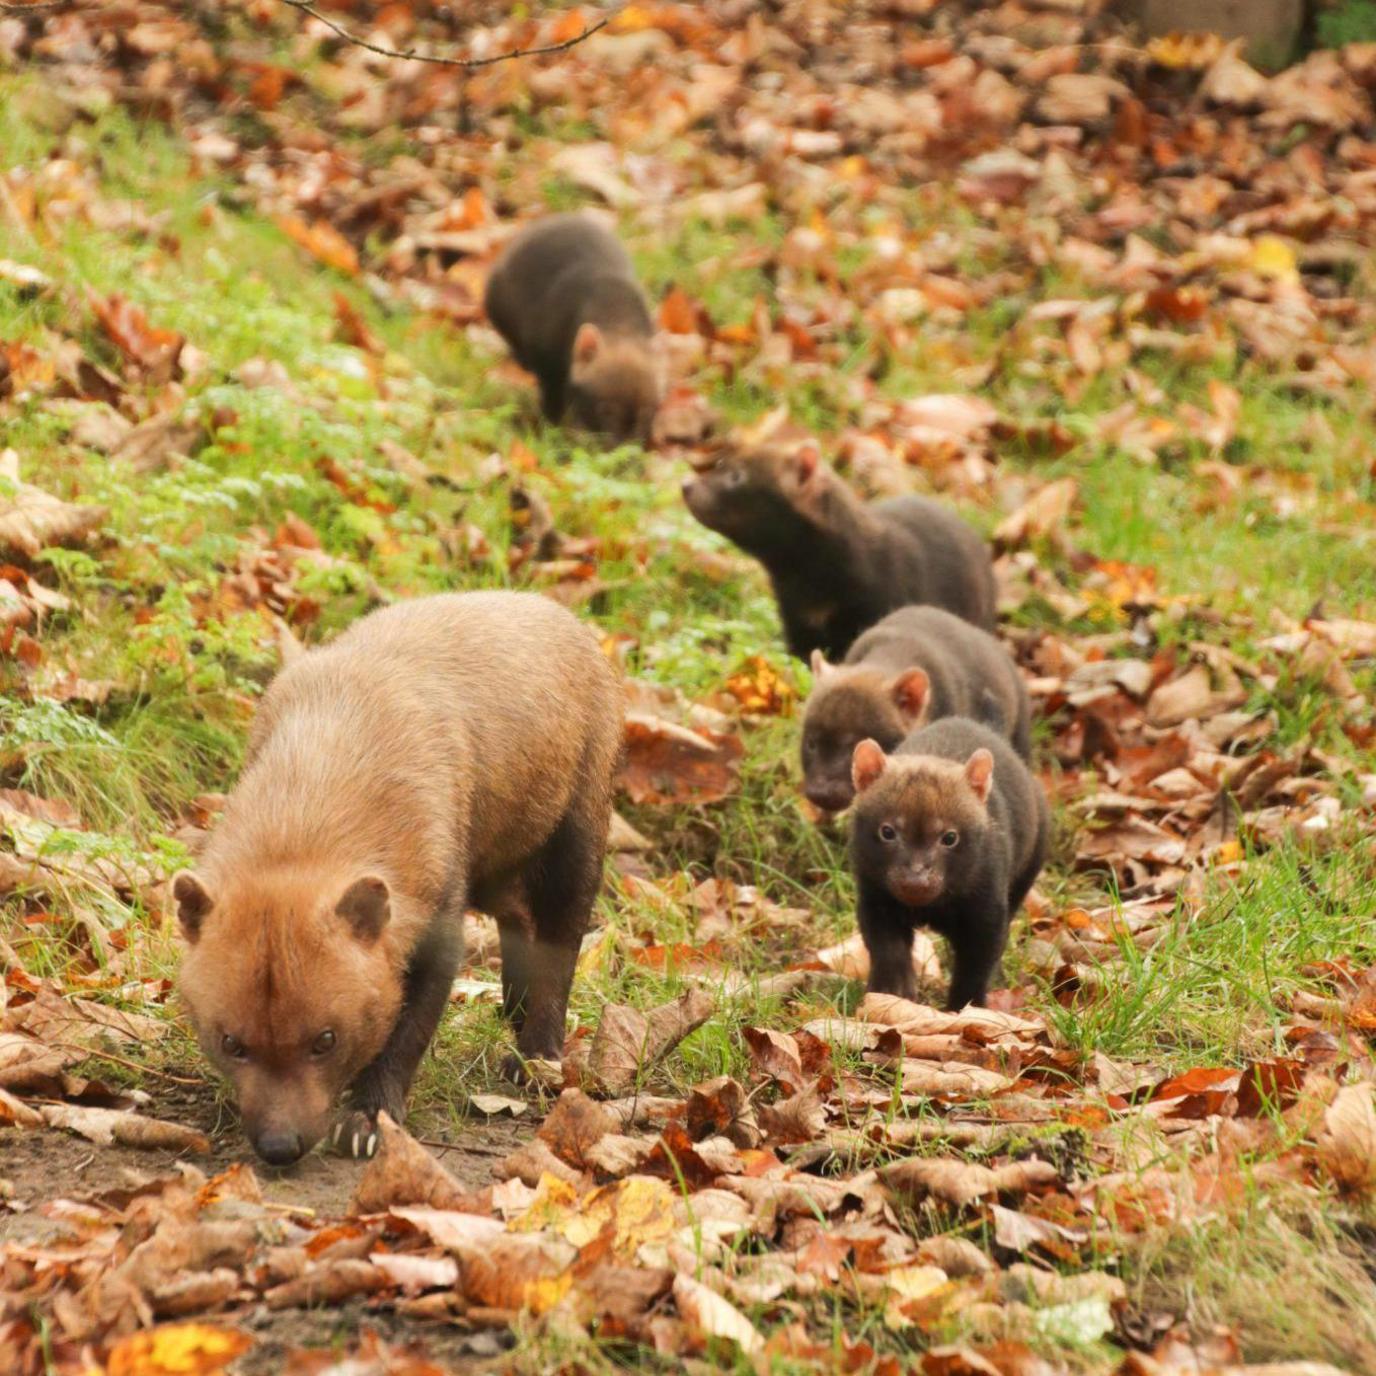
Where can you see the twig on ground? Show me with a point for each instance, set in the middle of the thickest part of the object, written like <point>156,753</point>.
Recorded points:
<point>411,55</point>
<point>142,1068</point>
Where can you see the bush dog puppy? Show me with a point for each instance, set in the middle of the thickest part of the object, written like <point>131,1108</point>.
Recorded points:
<point>950,831</point>
<point>563,295</point>
<point>838,564</point>
<point>918,664</point>
<point>448,752</point>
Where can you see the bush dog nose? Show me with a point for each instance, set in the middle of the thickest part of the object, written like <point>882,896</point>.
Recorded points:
<point>279,1148</point>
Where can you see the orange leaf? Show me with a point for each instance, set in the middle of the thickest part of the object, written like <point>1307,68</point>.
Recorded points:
<point>323,241</point>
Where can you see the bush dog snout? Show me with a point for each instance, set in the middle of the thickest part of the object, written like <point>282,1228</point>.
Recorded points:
<point>950,832</point>
<point>838,564</point>
<point>563,295</point>
<point>917,665</point>
<point>448,752</point>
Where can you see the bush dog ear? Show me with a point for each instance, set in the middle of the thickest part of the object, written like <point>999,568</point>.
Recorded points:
<point>819,665</point>
<point>866,764</point>
<point>979,774</point>
<point>806,461</point>
<point>909,691</point>
<point>193,903</point>
<point>586,343</point>
<point>366,906</point>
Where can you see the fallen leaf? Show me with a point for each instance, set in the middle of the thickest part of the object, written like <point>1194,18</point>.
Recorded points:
<point>31,519</point>
<point>323,241</point>
<point>108,1126</point>
<point>403,1172</point>
<point>668,763</point>
<point>177,1349</point>
<point>1346,1144</point>
<point>711,1316</point>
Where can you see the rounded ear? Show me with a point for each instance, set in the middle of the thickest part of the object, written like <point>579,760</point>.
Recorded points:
<point>910,691</point>
<point>820,667</point>
<point>586,342</point>
<point>979,774</point>
<point>366,906</point>
<point>807,459</point>
<point>867,764</point>
<point>193,903</point>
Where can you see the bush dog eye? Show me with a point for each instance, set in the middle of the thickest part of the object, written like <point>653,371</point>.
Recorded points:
<point>564,297</point>
<point>888,833</point>
<point>444,752</point>
<point>918,665</point>
<point>974,826</point>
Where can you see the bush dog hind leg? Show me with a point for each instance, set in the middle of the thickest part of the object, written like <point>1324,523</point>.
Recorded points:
<point>562,883</point>
<point>977,951</point>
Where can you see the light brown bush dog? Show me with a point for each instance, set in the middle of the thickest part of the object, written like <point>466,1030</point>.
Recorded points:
<point>448,752</point>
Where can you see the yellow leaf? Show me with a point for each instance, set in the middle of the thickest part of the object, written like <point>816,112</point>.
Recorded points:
<point>906,1284</point>
<point>554,1200</point>
<point>1273,258</point>
<point>639,1209</point>
<point>177,1349</point>
<point>1186,51</point>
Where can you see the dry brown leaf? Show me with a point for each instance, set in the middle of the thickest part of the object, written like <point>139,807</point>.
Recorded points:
<point>1041,515</point>
<point>108,1126</point>
<point>668,763</point>
<point>963,1182</point>
<point>403,1172</point>
<point>627,1041</point>
<point>31,520</point>
<point>711,1316</point>
<point>1346,1143</point>
<point>152,349</point>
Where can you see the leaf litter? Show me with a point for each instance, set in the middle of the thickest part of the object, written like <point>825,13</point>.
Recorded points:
<point>941,1166</point>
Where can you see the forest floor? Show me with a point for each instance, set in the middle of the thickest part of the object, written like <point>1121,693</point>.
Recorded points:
<point>1117,305</point>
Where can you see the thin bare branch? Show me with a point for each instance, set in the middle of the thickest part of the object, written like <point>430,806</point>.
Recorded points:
<point>36,8</point>
<point>411,55</point>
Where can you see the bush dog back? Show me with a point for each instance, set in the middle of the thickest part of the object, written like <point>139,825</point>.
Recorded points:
<point>564,297</point>
<point>451,751</point>
<point>950,832</point>
<point>917,665</point>
<point>839,564</point>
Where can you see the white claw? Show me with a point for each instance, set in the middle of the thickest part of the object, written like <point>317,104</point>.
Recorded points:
<point>372,1143</point>
<point>355,1150</point>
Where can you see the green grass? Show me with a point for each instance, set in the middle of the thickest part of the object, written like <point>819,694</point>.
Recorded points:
<point>187,663</point>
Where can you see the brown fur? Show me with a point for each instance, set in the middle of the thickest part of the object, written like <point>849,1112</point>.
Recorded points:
<point>949,832</point>
<point>918,664</point>
<point>564,297</point>
<point>452,750</point>
<point>838,564</point>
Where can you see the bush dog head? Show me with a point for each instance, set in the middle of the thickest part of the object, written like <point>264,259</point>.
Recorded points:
<point>755,496</point>
<point>290,992</point>
<point>615,383</point>
<point>849,705</point>
<point>920,822</point>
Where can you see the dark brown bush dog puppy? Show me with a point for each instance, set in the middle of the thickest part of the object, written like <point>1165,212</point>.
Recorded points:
<point>917,665</point>
<point>563,295</point>
<point>950,832</point>
<point>839,564</point>
<point>448,752</point>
